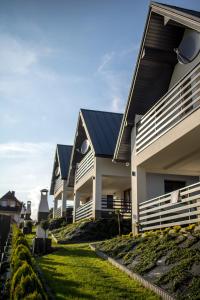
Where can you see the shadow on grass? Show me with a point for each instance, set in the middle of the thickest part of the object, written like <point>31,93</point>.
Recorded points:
<point>102,283</point>
<point>76,251</point>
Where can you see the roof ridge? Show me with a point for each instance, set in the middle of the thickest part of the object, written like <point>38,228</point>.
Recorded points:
<point>179,9</point>
<point>101,111</point>
<point>64,145</point>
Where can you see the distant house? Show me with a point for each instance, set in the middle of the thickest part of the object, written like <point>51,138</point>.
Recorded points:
<point>100,186</point>
<point>160,130</point>
<point>59,189</point>
<point>11,206</point>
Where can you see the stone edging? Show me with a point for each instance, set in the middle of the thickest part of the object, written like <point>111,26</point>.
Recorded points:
<point>164,295</point>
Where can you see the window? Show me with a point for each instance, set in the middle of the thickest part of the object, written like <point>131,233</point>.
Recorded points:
<point>110,201</point>
<point>173,185</point>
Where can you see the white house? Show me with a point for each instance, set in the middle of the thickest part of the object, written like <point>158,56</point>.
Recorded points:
<point>11,206</point>
<point>59,189</point>
<point>100,186</point>
<point>160,131</point>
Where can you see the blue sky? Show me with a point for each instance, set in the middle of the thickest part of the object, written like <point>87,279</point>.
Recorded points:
<point>57,57</point>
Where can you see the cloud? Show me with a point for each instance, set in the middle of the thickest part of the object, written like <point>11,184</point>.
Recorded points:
<point>22,149</point>
<point>16,56</point>
<point>116,104</point>
<point>26,168</point>
<point>112,72</point>
<point>105,61</point>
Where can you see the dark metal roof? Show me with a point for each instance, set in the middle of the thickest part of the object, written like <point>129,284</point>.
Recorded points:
<point>10,196</point>
<point>101,129</point>
<point>155,65</point>
<point>62,159</point>
<point>64,156</point>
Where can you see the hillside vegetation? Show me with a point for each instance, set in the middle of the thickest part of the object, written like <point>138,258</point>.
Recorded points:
<point>169,258</point>
<point>90,230</point>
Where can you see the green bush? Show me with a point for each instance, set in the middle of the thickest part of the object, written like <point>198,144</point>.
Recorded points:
<point>25,283</point>
<point>24,270</point>
<point>20,254</point>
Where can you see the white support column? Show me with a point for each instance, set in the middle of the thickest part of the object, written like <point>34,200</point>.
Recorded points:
<point>138,194</point>
<point>55,207</point>
<point>138,182</point>
<point>76,204</point>
<point>64,201</point>
<point>97,192</point>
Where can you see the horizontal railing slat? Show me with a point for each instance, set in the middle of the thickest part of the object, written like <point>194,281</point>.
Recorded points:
<point>85,165</point>
<point>155,212</point>
<point>177,104</point>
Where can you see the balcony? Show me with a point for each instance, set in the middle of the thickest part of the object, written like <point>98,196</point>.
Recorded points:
<point>111,206</point>
<point>84,211</point>
<point>86,164</point>
<point>108,208</point>
<point>68,214</point>
<point>58,185</point>
<point>176,105</point>
<point>180,207</point>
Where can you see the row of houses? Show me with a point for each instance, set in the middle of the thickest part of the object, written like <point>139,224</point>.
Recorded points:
<point>146,162</point>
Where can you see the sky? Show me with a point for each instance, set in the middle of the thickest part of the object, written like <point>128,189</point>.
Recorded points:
<point>55,58</point>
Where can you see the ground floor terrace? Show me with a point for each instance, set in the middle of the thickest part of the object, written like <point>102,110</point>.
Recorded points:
<point>103,196</point>
<point>63,199</point>
<point>166,181</point>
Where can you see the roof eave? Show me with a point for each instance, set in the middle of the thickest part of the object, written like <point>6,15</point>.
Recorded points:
<point>184,19</point>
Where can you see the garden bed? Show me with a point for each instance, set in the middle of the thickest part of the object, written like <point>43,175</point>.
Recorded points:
<point>169,258</point>
<point>90,230</point>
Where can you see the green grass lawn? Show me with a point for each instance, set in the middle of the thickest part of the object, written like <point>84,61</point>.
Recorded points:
<point>75,272</point>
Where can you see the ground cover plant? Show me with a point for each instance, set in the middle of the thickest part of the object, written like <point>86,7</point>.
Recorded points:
<point>25,282</point>
<point>90,230</point>
<point>170,258</point>
<point>75,272</point>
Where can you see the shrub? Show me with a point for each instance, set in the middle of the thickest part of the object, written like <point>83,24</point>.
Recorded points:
<point>25,283</point>
<point>20,254</point>
<point>57,223</point>
<point>24,270</point>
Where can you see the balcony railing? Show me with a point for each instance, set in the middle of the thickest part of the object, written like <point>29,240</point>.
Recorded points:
<point>57,213</point>
<point>181,207</point>
<point>178,103</point>
<point>86,164</point>
<point>58,184</point>
<point>68,213</point>
<point>112,205</point>
<point>84,211</point>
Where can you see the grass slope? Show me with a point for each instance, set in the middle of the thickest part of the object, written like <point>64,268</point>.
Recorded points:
<point>75,272</point>
<point>90,230</point>
<point>168,258</point>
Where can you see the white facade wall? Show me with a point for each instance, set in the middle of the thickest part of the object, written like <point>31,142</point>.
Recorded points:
<point>155,183</point>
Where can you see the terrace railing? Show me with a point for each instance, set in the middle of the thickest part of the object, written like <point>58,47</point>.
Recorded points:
<point>58,184</point>
<point>57,213</point>
<point>112,205</point>
<point>84,211</point>
<point>177,103</point>
<point>180,207</point>
<point>86,164</point>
